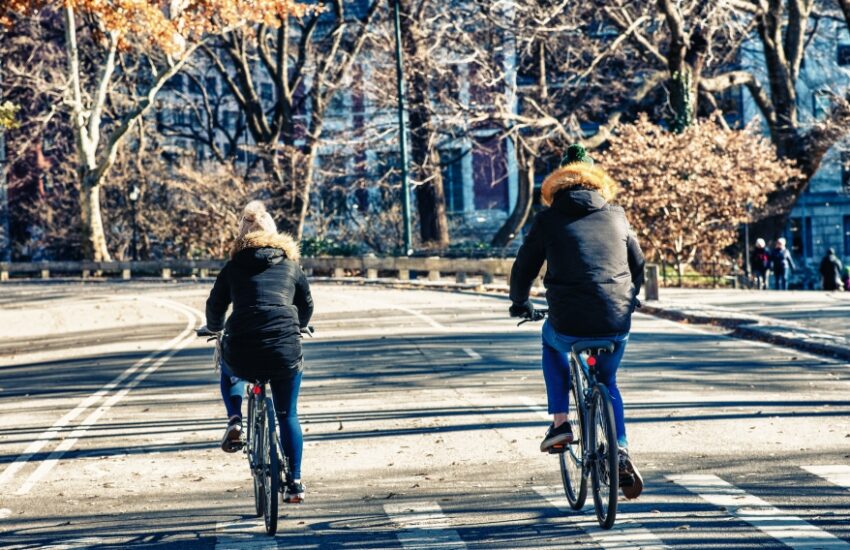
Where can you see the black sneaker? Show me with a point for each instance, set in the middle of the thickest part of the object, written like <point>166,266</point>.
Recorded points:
<point>294,492</point>
<point>631,481</point>
<point>232,440</point>
<point>563,434</point>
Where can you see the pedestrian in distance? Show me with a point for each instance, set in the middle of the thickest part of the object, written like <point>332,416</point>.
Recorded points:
<point>262,337</point>
<point>846,278</point>
<point>782,264</point>
<point>830,271</point>
<point>593,277</point>
<point>760,264</point>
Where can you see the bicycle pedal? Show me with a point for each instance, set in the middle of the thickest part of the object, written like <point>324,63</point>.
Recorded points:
<point>560,448</point>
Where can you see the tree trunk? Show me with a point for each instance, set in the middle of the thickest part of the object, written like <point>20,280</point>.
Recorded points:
<point>522,209</point>
<point>430,196</point>
<point>431,203</point>
<point>93,237</point>
<point>683,98</point>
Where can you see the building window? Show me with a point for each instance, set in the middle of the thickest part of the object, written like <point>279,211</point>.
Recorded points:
<point>175,83</point>
<point>195,86</point>
<point>452,172</point>
<point>821,104</point>
<point>844,55</point>
<point>847,235</point>
<point>800,238</point>
<point>796,240</point>
<point>845,171</point>
<point>229,122</point>
<point>266,92</point>
<point>211,84</point>
<point>808,237</point>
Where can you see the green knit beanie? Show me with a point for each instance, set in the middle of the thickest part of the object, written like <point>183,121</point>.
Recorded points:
<point>576,153</point>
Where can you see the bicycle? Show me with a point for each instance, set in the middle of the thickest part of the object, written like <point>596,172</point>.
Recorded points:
<point>594,453</point>
<point>262,445</point>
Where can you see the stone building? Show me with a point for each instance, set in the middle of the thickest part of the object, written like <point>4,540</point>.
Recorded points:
<point>821,217</point>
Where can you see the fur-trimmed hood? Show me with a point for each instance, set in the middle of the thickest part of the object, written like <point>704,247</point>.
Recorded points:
<point>262,239</point>
<point>575,175</point>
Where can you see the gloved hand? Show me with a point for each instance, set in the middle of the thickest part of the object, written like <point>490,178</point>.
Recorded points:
<point>525,310</point>
<point>204,331</point>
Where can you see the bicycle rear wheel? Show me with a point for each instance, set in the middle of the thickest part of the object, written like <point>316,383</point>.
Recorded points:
<point>271,470</point>
<point>604,472</point>
<point>255,425</point>
<point>572,459</point>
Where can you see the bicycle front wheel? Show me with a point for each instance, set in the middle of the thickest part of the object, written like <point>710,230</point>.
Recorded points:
<point>572,459</point>
<point>271,468</point>
<point>604,466</point>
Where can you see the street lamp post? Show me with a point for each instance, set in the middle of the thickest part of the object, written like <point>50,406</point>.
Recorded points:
<point>747,242</point>
<point>5,237</point>
<point>134,197</point>
<point>402,130</point>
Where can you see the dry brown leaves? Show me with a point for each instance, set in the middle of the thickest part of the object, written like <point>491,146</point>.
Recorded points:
<point>687,194</point>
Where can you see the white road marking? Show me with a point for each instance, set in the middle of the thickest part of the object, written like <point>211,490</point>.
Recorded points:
<point>420,315</point>
<point>625,533</point>
<point>837,474</point>
<point>246,534</point>
<point>790,530</point>
<point>69,442</point>
<point>45,437</point>
<point>4,513</point>
<point>75,544</point>
<point>424,526</point>
<point>541,411</point>
<point>472,353</point>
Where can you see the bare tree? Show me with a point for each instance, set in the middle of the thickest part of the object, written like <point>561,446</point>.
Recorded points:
<point>173,32</point>
<point>305,62</point>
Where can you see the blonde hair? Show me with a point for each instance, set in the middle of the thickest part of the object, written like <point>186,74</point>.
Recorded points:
<point>578,174</point>
<point>256,218</point>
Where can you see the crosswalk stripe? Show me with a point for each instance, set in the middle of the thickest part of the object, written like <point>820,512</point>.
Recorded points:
<point>837,474</point>
<point>790,530</point>
<point>424,526</point>
<point>245,534</point>
<point>624,534</point>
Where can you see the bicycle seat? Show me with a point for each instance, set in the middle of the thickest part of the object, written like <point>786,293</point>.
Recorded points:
<point>593,346</point>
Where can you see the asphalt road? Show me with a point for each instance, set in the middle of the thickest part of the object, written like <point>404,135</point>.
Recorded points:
<point>421,413</point>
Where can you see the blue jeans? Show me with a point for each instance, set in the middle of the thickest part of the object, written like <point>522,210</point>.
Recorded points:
<point>285,395</point>
<point>780,281</point>
<point>556,373</point>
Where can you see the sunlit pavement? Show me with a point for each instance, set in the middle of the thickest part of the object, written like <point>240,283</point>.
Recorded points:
<point>422,424</point>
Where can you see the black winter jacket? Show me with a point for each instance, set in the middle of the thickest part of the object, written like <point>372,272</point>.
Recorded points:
<point>271,302</point>
<point>594,264</point>
<point>830,271</point>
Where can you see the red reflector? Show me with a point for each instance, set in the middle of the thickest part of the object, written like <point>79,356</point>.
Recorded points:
<point>591,361</point>
<point>256,390</point>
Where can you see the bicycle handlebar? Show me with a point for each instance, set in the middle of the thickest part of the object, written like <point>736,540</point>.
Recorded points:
<point>538,315</point>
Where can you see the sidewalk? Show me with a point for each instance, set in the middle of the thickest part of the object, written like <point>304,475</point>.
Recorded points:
<point>808,320</point>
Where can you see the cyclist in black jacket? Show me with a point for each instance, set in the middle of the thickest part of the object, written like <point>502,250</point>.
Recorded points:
<point>593,275</point>
<point>262,337</point>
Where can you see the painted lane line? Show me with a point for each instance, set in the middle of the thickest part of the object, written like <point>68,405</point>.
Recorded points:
<point>624,534</point>
<point>424,526</point>
<point>247,534</point>
<point>45,437</point>
<point>541,411</point>
<point>789,530</point>
<point>472,353</point>
<point>837,474</point>
<point>69,442</point>
<point>430,320</point>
